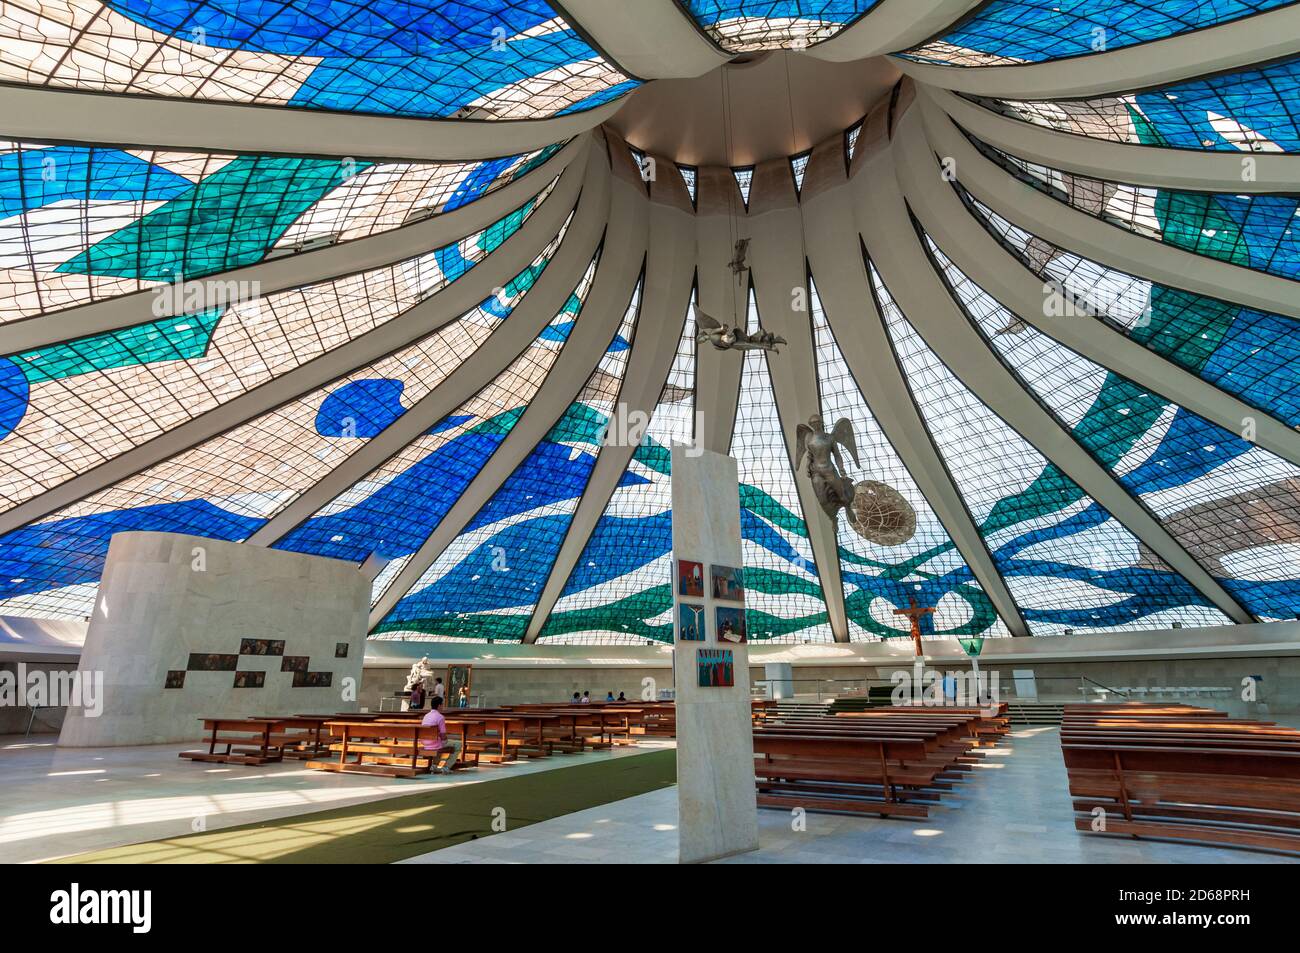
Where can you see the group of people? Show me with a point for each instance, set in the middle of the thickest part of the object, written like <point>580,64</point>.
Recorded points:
<point>585,698</point>
<point>418,695</point>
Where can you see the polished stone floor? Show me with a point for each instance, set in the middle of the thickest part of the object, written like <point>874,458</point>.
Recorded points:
<point>60,801</point>
<point>1015,809</point>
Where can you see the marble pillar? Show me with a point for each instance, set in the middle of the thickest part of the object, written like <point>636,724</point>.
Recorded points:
<point>717,809</point>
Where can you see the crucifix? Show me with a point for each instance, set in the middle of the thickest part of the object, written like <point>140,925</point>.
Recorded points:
<point>914,613</point>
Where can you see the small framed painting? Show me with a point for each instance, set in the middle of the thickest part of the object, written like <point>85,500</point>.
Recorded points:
<point>716,668</point>
<point>212,662</point>
<point>731,625</point>
<point>340,650</point>
<point>690,623</point>
<point>728,583</point>
<point>690,579</point>
<point>250,679</point>
<point>175,679</point>
<point>261,646</point>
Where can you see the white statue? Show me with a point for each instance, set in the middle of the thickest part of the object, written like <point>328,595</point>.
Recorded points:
<point>421,673</point>
<point>724,337</point>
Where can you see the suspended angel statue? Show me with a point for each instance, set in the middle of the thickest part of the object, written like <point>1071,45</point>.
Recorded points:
<point>739,263</point>
<point>826,470</point>
<point>709,330</point>
<point>875,510</point>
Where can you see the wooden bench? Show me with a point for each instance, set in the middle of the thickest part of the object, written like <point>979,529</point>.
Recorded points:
<point>246,741</point>
<point>389,748</point>
<point>1183,774</point>
<point>840,772</point>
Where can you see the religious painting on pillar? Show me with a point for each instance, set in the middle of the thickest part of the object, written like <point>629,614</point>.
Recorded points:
<point>727,583</point>
<point>731,624</point>
<point>690,622</point>
<point>716,668</point>
<point>690,578</point>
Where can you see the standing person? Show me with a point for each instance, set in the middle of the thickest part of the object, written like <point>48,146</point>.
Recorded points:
<point>463,700</point>
<point>435,719</point>
<point>437,688</point>
<point>586,698</point>
<point>416,701</point>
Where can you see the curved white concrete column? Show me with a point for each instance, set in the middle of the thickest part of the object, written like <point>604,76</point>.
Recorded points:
<point>720,222</point>
<point>503,346</point>
<point>42,115</point>
<point>778,257</point>
<point>309,267</point>
<point>897,252</point>
<point>448,304</point>
<point>1120,161</point>
<point>622,256</point>
<point>650,39</point>
<point>665,297</point>
<point>1254,39</point>
<point>892,26</point>
<point>969,245</point>
<point>1112,245</point>
<point>844,287</point>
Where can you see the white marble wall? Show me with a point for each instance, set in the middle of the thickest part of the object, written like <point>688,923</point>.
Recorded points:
<point>164,596</point>
<point>717,809</point>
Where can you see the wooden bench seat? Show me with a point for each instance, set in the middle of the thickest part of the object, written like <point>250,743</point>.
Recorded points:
<point>391,748</point>
<point>1182,773</point>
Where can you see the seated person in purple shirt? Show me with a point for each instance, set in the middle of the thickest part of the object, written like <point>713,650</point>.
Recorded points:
<point>434,718</point>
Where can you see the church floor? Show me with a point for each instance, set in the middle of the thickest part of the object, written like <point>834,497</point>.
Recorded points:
<point>1015,810</point>
<point>56,802</point>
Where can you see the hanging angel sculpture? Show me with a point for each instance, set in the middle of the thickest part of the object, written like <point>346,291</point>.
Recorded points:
<point>876,511</point>
<point>831,484</point>
<point>723,337</point>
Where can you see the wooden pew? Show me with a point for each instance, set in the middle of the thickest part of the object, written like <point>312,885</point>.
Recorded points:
<point>391,749</point>
<point>246,740</point>
<point>1184,774</point>
<point>842,772</point>
<point>888,761</point>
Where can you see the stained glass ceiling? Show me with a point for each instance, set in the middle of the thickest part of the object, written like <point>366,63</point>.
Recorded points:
<point>459,413</point>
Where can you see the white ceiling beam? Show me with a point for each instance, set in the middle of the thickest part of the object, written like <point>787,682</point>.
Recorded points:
<point>665,297</point>
<point>905,267</point>
<point>1153,166</point>
<point>294,271</point>
<point>622,255</point>
<point>970,246</point>
<point>442,308</point>
<point>1228,46</point>
<point>113,119</point>
<point>650,39</point>
<point>1112,245</point>
<point>777,255</point>
<point>892,26</point>
<point>844,288</point>
<point>539,306</point>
